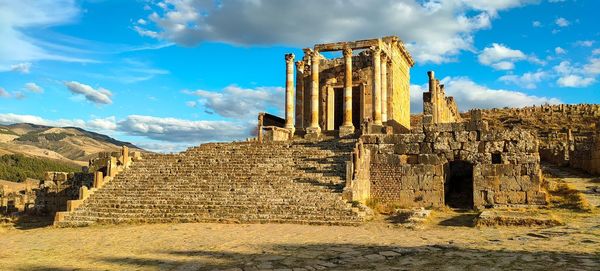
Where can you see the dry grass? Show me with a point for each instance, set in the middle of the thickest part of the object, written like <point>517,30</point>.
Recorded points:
<point>567,197</point>
<point>384,208</point>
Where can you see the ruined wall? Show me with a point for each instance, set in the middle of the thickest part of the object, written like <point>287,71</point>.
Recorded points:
<point>59,187</point>
<point>567,133</point>
<point>412,169</point>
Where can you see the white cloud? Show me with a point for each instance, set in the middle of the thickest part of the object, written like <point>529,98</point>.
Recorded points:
<point>596,51</point>
<point>528,80</point>
<point>109,123</point>
<point>536,24</point>
<point>16,118</point>
<point>241,103</point>
<point>4,93</point>
<point>559,51</point>
<point>575,81</point>
<point>585,43</point>
<point>500,57</point>
<point>191,103</point>
<point>97,96</point>
<point>435,31</point>
<point>179,130</point>
<point>21,67</point>
<point>562,22</point>
<point>577,76</point>
<point>21,46</point>
<point>469,95</point>
<point>593,67</point>
<point>33,87</point>
<point>142,21</point>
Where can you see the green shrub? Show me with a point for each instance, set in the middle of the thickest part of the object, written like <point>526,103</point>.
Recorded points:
<point>17,167</point>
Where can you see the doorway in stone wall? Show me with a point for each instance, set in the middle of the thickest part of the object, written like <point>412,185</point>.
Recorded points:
<point>458,185</point>
<point>338,108</point>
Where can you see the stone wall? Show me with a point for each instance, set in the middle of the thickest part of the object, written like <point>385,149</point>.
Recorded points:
<point>413,169</point>
<point>57,188</point>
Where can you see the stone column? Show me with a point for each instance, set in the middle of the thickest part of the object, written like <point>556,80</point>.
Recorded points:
<point>347,127</point>
<point>433,92</point>
<point>314,94</point>
<point>300,94</point>
<point>384,88</point>
<point>289,94</point>
<point>376,52</point>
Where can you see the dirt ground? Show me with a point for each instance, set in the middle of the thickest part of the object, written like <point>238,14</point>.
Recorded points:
<point>446,242</point>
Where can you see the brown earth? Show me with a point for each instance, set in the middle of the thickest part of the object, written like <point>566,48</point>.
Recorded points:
<point>448,241</point>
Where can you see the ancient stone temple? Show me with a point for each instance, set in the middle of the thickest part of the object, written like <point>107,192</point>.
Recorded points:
<point>345,140</point>
<point>370,82</point>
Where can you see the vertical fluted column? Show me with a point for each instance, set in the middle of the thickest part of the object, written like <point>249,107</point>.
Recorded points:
<point>314,93</point>
<point>289,93</point>
<point>347,127</point>
<point>376,52</point>
<point>384,88</point>
<point>300,94</point>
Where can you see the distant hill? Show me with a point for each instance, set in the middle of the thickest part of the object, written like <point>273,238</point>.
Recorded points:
<point>69,145</point>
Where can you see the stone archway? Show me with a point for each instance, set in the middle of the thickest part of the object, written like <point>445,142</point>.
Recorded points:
<point>458,184</point>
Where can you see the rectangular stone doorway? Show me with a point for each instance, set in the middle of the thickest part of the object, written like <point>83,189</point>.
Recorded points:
<point>338,105</point>
<point>458,185</point>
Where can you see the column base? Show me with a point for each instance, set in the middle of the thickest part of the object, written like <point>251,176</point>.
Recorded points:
<point>347,131</point>
<point>375,129</point>
<point>313,133</point>
<point>292,131</point>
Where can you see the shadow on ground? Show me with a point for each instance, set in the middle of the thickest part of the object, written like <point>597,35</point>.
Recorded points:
<point>355,257</point>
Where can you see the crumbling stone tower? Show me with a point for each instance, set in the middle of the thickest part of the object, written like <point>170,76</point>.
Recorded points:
<point>369,84</point>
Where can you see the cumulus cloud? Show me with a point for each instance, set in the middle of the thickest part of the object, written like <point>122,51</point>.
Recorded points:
<point>109,123</point>
<point>97,96</point>
<point>435,31</point>
<point>575,81</point>
<point>33,87</point>
<point>593,67</point>
<point>21,67</point>
<point>596,52</point>
<point>528,80</point>
<point>178,130</point>
<point>562,22</point>
<point>241,103</point>
<point>536,24</point>
<point>469,95</point>
<point>577,76</point>
<point>559,51</point>
<point>500,57</point>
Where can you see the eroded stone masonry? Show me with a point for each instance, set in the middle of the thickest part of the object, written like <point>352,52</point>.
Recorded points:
<point>346,139</point>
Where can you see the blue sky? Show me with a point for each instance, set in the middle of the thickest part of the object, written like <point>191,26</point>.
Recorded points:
<point>171,74</point>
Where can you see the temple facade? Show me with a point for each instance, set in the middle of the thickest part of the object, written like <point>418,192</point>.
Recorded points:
<point>366,88</point>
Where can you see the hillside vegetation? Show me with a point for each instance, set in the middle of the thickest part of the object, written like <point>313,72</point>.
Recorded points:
<point>17,167</point>
<point>69,145</point>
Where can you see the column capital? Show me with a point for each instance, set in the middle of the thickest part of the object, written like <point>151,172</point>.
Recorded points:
<point>289,58</point>
<point>347,52</point>
<point>300,65</point>
<point>375,49</point>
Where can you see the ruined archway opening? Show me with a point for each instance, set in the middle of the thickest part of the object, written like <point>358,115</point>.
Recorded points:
<point>458,185</point>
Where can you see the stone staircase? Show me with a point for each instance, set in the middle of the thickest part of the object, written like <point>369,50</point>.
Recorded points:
<point>291,182</point>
